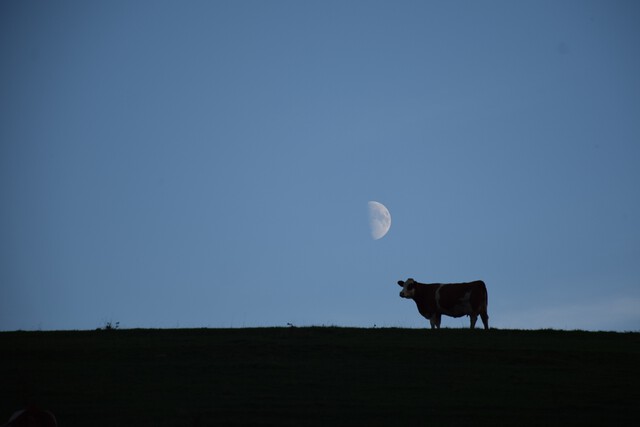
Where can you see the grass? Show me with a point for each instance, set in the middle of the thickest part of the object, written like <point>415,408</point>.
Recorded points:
<point>323,376</point>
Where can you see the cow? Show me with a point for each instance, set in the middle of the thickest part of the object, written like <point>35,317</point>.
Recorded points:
<point>452,299</point>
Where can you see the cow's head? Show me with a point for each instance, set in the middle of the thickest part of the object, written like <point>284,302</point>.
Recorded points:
<point>408,288</point>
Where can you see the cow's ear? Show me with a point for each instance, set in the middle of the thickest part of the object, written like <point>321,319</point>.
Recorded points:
<point>401,283</point>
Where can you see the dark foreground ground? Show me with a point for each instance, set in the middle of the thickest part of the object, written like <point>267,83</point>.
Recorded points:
<point>323,376</point>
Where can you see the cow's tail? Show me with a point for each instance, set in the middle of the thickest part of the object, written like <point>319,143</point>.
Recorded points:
<point>484,315</point>
<point>486,295</point>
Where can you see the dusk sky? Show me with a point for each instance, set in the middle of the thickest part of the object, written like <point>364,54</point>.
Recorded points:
<point>209,163</point>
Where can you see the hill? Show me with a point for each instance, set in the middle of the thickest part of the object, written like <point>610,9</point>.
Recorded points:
<point>323,376</point>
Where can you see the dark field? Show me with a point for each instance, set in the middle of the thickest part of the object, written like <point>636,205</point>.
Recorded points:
<point>323,376</point>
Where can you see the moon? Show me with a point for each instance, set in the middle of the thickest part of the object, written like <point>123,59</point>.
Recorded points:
<point>379,220</point>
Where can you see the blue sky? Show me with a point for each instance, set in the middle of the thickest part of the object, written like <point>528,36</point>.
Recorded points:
<point>209,164</point>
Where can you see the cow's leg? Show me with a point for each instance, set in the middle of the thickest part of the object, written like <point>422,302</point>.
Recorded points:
<point>435,321</point>
<point>485,319</point>
<point>474,319</point>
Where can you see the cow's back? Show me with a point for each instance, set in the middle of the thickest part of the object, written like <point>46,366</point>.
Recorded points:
<point>460,299</point>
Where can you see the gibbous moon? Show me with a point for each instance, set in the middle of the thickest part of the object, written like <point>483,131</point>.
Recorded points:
<point>379,220</point>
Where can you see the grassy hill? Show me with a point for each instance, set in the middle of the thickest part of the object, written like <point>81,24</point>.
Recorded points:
<point>323,376</point>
